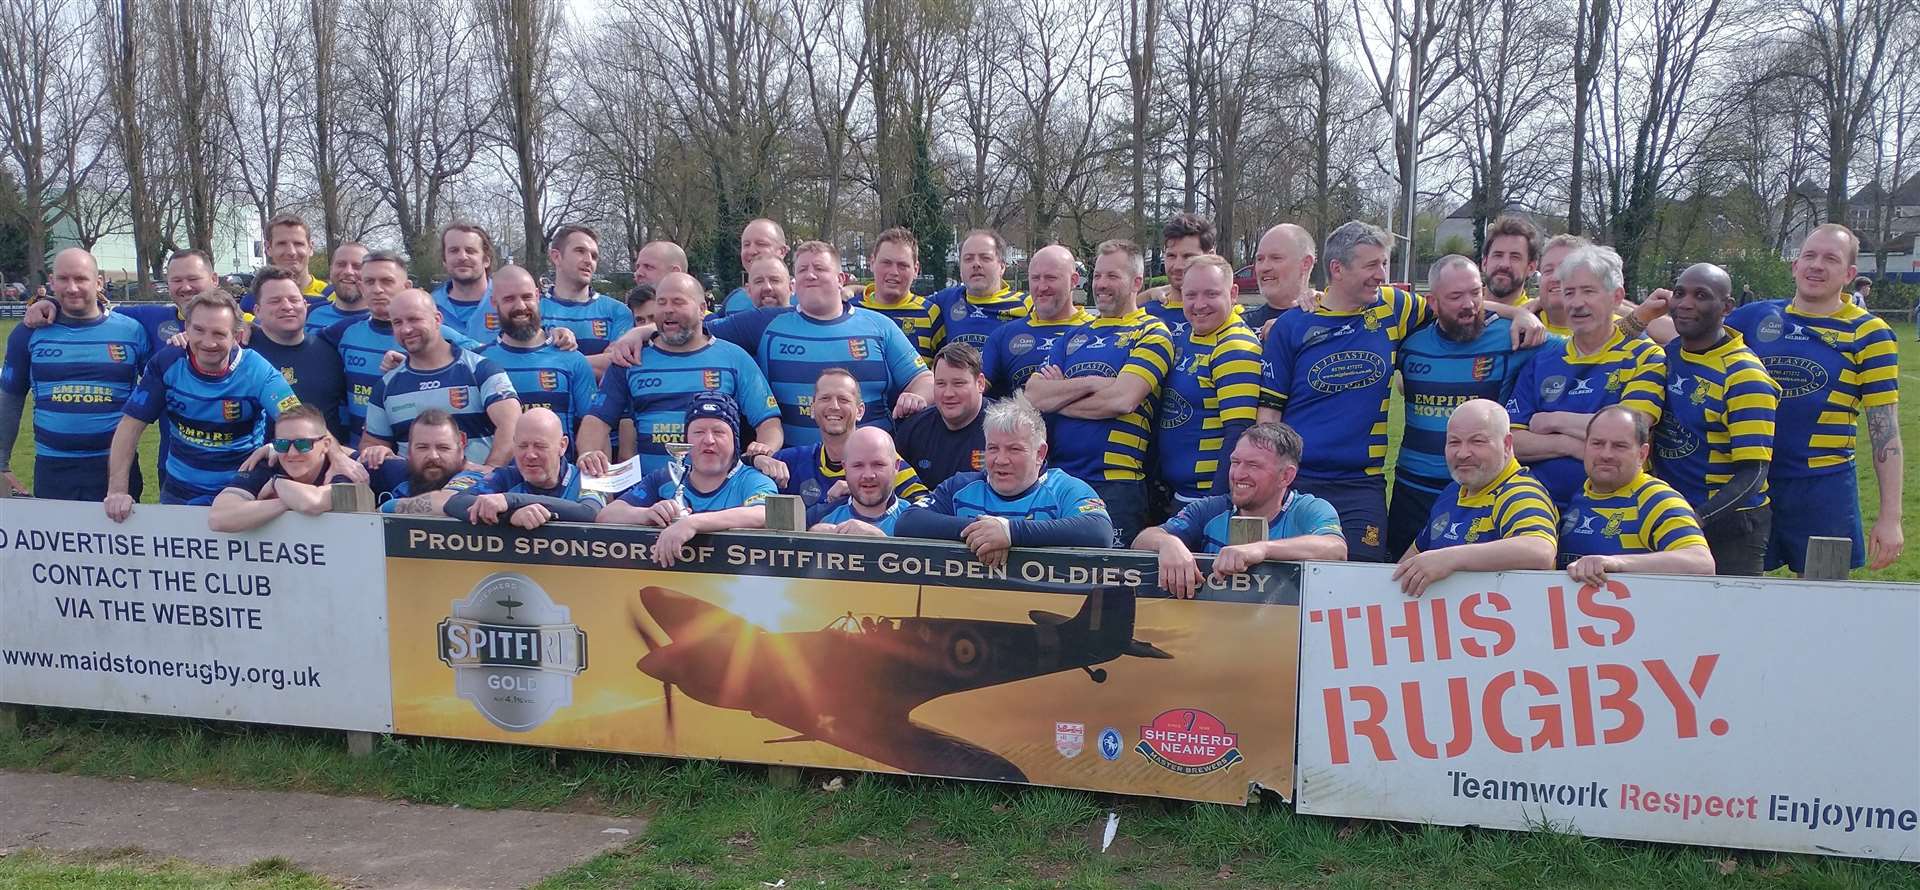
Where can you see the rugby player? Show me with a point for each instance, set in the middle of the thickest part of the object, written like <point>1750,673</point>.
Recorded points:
<point>1185,236</point>
<point>217,400</point>
<point>1100,388</point>
<point>769,284</point>
<point>947,438</point>
<point>594,319</point>
<point>872,507</point>
<point>1283,266</point>
<point>438,374</point>
<point>1020,346</point>
<point>656,260</point>
<point>544,375</point>
<point>308,360</point>
<point>1715,438</point>
<point>290,247</point>
<point>1833,361</point>
<point>301,481</point>
<point>983,301</point>
<point>815,472</point>
<point>365,343</point>
<point>1018,502</point>
<point>1510,257</point>
<point>1212,393</point>
<point>896,263</point>
<point>343,300</point>
<point>721,493</point>
<point>466,253</point>
<point>1624,520</point>
<point>436,467</point>
<point>1261,469</point>
<point>760,239</point>
<point>81,370</point>
<point>640,302</point>
<point>539,487</point>
<point>1493,517</point>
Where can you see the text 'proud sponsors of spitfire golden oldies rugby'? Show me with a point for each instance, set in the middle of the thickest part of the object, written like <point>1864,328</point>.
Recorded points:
<point>1063,668</point>
<point>1718,711</point>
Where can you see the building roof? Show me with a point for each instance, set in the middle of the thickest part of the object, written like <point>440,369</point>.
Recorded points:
<point>1907,194</point>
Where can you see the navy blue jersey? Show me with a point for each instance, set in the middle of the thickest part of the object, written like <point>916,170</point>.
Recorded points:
<point>793,349</point>
<point>1437,375</point>
<point>211,423</point>
<point>1018,348</point>
<point>1204,525</point>
<point>655,393</point>
<point>465,388</point>
<point>595,322</point>
<point>509,480</point>
<point>81,374</point>
<point>546,376</point>
<point>744,487</point>
<point>161,321</point>
<point>312,367</point>
<point>1171,311</point>
<point>362,345</point>
<point>935,452</point>
<point>1055,495</point>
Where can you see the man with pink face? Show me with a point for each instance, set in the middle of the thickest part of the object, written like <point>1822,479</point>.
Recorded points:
<point>947,438</point>
<point>761,239</point>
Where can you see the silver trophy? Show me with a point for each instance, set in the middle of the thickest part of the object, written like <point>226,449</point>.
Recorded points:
<point>677,472</point>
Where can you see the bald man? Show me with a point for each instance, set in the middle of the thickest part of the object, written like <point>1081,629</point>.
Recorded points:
<point>1714,443</point>
<point>1494,516</point>
<point>539,487</point>
<point>1283,266</point>
<point>872,507</point>
<point>657,260</point>
<point>438,374</point>
<point>1018,348</point>
<point>562,380</point>
<point>761,239</point>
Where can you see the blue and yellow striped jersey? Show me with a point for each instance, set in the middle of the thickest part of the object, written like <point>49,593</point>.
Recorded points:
<point>1644,516</point>
<point>213,423</point>
<point>743,487</point>
<point>1214,381</point>
<point>1171,311</point>
<point>1437,375</point>
<point>1830,368</point>
<point>547,376</point>
<point>1055,495</point>
<point>1630,372</point>
<point>656,392</point>
<point>1330,374</point>
<point>595,322</point>
<point>1018,348</point>
<point>81,374</point>
<point>811,474</point>
<point>792,349</point>
<point>1205,525</point>
<point>971,320</point>
<point>1720,409</point>
<point>1514,504</point>
<point>1114,449</point>
<point>917,317</point>
<point>464,388</point>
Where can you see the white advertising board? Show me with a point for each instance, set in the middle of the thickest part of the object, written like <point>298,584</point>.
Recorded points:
<point>157,615</point>
<point>1763,714</point>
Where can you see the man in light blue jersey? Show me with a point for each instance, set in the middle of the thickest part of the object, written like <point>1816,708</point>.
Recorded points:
<point>466,253</point>
<point>216,399</point>
<point>594,319</point>
<point>1020,346</point>
<point>1466,354</point>
<point>983,301</point>
<point>543,375</point>
<point>760,239</point>
<point>679,363</point>
<point>1018,501</point>
<point>872,507</point>
<point>540,486</point>
<point>366,344</point>
<point>769,284</point>
<point>718,492</point>
<point>81,369</point>
<point>342,300</point>
<point>438,374</point>
<point>1260,470</point>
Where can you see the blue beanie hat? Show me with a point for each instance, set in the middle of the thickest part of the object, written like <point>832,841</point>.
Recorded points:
<point>717,406</point>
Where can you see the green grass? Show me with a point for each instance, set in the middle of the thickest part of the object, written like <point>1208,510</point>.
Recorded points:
<point>129,869</point>
<point>715,825</point>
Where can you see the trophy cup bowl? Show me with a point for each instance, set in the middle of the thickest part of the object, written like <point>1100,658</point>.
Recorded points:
<point>677,471</point>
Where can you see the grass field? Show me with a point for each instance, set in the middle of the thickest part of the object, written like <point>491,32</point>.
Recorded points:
<point>715,825</point>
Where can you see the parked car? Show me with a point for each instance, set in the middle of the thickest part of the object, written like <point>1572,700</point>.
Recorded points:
<point>1246,281</point>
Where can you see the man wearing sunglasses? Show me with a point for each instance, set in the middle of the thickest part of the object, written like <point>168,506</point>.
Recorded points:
<point>301,481</point>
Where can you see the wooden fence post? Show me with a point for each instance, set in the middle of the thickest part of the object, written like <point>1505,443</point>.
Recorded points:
<point>1246,530</point>
<point>11,716</point>
<point>1828,559</point>
<point>785,513</point>
<point>354,498</point>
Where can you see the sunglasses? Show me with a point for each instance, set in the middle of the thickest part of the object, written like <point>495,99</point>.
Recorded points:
<point>301,445</point>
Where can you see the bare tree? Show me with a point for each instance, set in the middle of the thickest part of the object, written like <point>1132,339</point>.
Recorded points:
<point>1896,125</point>
<point>984,94</point>
<point>1060,79</point>
<point>1412,34</point>
<point>124,56</point>
<point>1512,56</point>
<point>1848,41</point>
<point>262,109</point>
<point>1140,41</point>
<point>831,49</point>
<point>192,70</point>
<point>1592,24</point>
<point>323,24</point>
<point>49,112</point>
<point>523,33</point>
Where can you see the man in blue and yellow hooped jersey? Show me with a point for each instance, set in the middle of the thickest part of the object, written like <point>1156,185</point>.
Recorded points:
<point>983,301</point>
<point>1599,366</point>
<point>896,263</point>
<point>217,401</point>
<point>1466,354</point>
<point>1261,468</point>
<point>1833,361</point>
<point>1715,438</point>
<point>1212,393</point>
<point>1623,519</point>
<point>1019,347</point>
<point>595,319</point>
<point>1101,386</point>
<point>1185,236</point>
<point>290,247</point>
<point>81,370</point>
<point>1493,517</point>
<point>1511,254</point>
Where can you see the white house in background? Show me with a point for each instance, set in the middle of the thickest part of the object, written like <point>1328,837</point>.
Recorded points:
<point>237,243</point>
<point>1456,231</point>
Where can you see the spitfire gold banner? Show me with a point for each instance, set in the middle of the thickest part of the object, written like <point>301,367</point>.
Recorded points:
<point>1064,668</point>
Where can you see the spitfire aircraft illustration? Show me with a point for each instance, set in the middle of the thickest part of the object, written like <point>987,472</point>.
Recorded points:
<point>854,683</point>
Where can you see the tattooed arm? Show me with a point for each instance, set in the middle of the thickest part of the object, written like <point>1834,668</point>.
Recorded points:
<point>1886,540</point>
<point>428,504</point>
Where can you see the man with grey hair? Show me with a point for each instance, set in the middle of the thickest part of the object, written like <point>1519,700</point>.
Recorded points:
<point>1466,354</point>
<point>1299,525</point>
<point>1329,374</point>
<point>1017,501</point>
<point>1282,265</point>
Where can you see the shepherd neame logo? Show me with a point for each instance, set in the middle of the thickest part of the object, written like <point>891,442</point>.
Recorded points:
<point>513,650</point>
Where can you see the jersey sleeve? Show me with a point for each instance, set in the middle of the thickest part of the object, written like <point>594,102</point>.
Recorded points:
<point>1077,498</point>
<point>378,424</point>
<point>149,399</point>
<point>255,481</point>
<point>496,482</point>
<point>1524,508</point>
<point>1236,378</point>
<point>742,329</point>
<point>1276,365</point>
<point>493,383</point>
<point>1751,400</point>
<point>991,364</point>
<point>459,338</point>
<point>907,485</point>
<point>1876,362</point>
<point>1150,356</point>
<point>1190,524</point>
<point>619,318</point>
<point>611,401</point>
<point>647,492</point>
<point>903,360</point>
<point>754,395</point>
<point>276,397</point>
<point>1318,517</point>
<point>1646,384</point>
<point>755,487</point>
<point>1411,313</point>
<point>17,375</point>
<point>936,329</point>
<point>1667,523</point>
<point>582,389</point>
<point>943,494</point>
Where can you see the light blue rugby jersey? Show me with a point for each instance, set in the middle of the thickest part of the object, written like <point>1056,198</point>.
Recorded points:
<point>793,349</point>
<point>548,377</point>
<point>467,318</point>
<point>465,388</point>
<point>598,321</point>
<point>80,374</point>
<point>1204,525</point>
<point>1055,495</point>
<point>362,344</point>
<point>655,393</point>
<point>211,423</point>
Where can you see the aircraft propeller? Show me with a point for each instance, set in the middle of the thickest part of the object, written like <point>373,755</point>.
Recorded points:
<point>653,643</point>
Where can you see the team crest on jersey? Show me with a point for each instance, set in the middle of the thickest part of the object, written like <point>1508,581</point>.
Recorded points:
<point>1616,379</point>
<point>1612,528</point>
<point>492,322</point>
<point>857,348</point>
<point>549,380</point>
<point>1091,504</point>
<point>710,378</point>
<point>1372,321</point>
<point>229,410</point>
<point>977,460</point>
<point>457,397</point>
<point>960,310</point>
<point>1699,395</point>
<point>116,352</point>
<point>600,327</point>
<point>288,403</point>
<point>1482,367</point>
<point>1372,537</point>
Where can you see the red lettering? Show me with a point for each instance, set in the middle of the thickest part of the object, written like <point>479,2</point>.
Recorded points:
<point>1620,702</point>
<point>1557,615</point>
<point>1409,629</point>
<point>1550,734</point>
<point>1591,607</point>
<point>1459,704</point>
<point>1491,717</point>
<point>1580,690</point>
<point>1499,627</point>
<point>1686,718</point>
<point>1368,727</point>
<point>1442,638</point>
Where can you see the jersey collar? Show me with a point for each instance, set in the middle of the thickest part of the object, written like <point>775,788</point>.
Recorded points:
<point>1484,497</point>
<point>1626,490</point>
